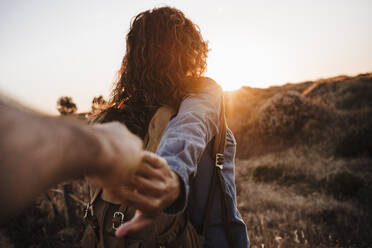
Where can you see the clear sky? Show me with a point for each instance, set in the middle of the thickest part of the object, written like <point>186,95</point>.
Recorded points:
<point>51,48</point>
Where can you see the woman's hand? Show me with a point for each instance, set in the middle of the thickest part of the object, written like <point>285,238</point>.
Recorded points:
<point>157,182</point>
<point>153,188</point>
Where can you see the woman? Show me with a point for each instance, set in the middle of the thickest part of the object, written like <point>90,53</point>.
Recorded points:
<point>163,66</point>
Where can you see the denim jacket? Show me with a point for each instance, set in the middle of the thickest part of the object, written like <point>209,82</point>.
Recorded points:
<point>187,146</point>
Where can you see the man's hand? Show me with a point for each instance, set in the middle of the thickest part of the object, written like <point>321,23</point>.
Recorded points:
<point>119,158</point>
<point>139,221</point>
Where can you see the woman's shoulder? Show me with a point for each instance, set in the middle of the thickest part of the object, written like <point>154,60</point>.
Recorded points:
<point>206,88</point>
<point>209,83</point>
<point>205,103</point>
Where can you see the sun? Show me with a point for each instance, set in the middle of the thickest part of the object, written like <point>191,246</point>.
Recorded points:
<point>242,65</point>
<point>232,76</point>
<point>227,81</point>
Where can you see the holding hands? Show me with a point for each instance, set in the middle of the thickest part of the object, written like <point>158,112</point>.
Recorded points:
<point>118,158</point>
<point>134,177</point>
<point>151,189</point>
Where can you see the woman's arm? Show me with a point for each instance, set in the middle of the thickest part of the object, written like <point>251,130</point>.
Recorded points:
<point>180,148</point>
<point>187,136</point>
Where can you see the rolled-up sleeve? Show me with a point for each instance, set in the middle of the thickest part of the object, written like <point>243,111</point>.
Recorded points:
<point>187,136</point>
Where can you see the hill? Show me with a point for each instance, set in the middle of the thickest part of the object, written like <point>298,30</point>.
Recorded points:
<point>304,162</point>
<point>303,170</point>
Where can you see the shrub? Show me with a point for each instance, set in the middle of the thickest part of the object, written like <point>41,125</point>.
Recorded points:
<point>267,173</point>
<point>285,176</point>
<point>342,183</point>
<point>285,114</point>
<point>356,94</point>
<point>66,105</point>
<point>356,142</point>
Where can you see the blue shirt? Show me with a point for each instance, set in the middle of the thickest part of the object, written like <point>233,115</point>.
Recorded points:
<point>186,146</point>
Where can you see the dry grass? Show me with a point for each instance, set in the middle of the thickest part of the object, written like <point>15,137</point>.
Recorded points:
<point>304,173</point>
<point>282,213</point>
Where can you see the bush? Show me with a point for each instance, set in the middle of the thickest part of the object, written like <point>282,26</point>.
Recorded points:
<point>285,114</point>
<point>266,173</point>
<point>356,94</point>
<point>43,224</point>
<point>283,175</point>
<point>356,142</point>
<point>342,184</point>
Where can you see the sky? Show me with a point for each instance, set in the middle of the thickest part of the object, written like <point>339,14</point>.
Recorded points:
<point>53,48</point>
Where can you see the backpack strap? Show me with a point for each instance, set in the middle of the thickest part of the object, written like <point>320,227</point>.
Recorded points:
<point>217,178</point>
<point>89,216</point>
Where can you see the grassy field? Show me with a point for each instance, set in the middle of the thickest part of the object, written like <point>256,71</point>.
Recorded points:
<point>304,167</point>
<point>303,170</point>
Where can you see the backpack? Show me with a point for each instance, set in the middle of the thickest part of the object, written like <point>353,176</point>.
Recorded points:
<point>104,217</point>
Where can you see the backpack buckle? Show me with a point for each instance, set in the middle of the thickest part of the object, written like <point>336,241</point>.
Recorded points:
<point>117,220</point>
<point>87,210</point>
<point>220,158</point>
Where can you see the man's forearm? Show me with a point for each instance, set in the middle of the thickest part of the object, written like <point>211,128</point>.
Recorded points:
<point>37,151</point>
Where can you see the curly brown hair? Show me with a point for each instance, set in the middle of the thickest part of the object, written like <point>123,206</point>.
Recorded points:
<point>165,53</point>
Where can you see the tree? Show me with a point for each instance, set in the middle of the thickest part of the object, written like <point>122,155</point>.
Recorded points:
<point>98,104</point>
<point>66,105</point>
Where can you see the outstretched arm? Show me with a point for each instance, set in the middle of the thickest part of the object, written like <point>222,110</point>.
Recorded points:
<point>37,151</point>
<point>181,148</point>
